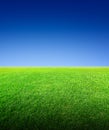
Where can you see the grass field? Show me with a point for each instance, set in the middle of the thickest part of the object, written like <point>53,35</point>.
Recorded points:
<point>54,98</point>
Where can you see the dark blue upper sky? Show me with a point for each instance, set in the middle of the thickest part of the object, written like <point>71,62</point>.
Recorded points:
<point>54,33</point>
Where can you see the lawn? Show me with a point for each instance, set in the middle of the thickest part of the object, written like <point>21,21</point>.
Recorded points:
<point>54,98</point>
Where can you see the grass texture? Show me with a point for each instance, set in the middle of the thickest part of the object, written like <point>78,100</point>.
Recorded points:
<point>54,98</point>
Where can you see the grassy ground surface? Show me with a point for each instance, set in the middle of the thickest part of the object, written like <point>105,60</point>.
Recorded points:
<point>54,98</point>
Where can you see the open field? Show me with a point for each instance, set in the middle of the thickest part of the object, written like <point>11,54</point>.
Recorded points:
<point>54,98</point>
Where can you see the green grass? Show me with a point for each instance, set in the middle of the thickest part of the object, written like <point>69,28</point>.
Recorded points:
<point>54,98</point>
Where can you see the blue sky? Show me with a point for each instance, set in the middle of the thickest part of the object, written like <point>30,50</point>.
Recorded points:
<point>54,33</point>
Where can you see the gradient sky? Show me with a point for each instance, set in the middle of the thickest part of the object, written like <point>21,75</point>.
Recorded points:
<point>54,33</point>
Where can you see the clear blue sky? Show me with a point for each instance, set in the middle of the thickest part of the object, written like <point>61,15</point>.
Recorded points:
<point>54,33</point>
